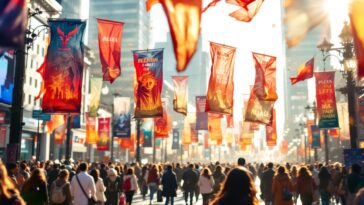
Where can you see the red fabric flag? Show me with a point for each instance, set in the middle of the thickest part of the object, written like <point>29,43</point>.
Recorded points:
<point>246,136</point>
<point>265,77</point>
<point>194,133</point>
<point>230,121</point>
<point>271,131</point>
<point>334,133</point>
<point>206,141</point>
<point>214,130</point>
<point>305,71</point>
<point>249,8</point>
<point>161,128</point>
<point>110,33</point>
<point>309,123</point>
<point>212,3</point>
<point>57,124</point>
<point>220,93</point>
<point>357,22</point>
<point>103,141</point>
<point>184,17</point>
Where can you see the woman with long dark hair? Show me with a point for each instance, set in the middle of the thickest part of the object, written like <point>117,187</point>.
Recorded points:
<point>9,195</point>
<point>325,178</point>
<point>100,187</point>
<point>35,190</point>
<point>238,189</point>
<point>305,186</point>
<point>206,184</point>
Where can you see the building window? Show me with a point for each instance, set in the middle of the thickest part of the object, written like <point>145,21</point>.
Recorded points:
<point>35,103</point>
<point>31,63</point>
<point>42,52</point>
<point>35,83</point>
<point>30,81</point>
<point>29,99</point>
<point>38,49</point>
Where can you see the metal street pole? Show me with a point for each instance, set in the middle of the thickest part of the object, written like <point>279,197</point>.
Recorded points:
<point>38,142</point>
<point>305,148</point>
<point>138,158</point>
<point>68,139</point>
<point>350,86</point>
<point>326,138</point>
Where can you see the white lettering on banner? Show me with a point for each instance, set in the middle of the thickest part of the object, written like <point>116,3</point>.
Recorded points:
<point>110,39</point>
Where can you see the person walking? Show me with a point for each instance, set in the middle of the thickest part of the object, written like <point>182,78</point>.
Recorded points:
<point>189,178</point>
<point>282,188</point>
<point>130,185</point>
<point>219,178</point>
<point>206,184</point>
<point>60,191</point>
<point>9,194</point>
<point>144,187</point>
<point>113,187</point>
<point>238,189</point>
<point>100,187</point>
<point>170,185</point>
<point>305,186</point>
<point>153,181</point>
<point>355,182</point>
<point>294,178</point>
<point>35,191</point>
<point>83,186</point>
<point>266,184</point>
<point>325,178</point>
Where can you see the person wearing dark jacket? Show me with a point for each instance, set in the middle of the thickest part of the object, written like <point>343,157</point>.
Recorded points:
<point>325,178</point>
<point>169,183</point>
<point>190,179</point>
<point>355,182</point>
<point>266,184</point>
<point>35,190</point>
<point>219,178</point>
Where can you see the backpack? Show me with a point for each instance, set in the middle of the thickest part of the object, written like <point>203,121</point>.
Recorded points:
<point>127,184</point>
<point>57,195</point>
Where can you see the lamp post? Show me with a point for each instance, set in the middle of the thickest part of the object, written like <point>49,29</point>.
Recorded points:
<point>346,53</point>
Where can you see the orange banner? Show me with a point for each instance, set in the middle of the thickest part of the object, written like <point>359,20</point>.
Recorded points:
<point>271,132</point>
<point>309,123</point>
<point>246,136</point>
<point>357,20</point>
<point>103,141</point>
<point>215,131</point>
<point>305,71</point>
<point>180,94</point>
<point>221,84</point>
<point>162,125</point>
<point>91,132</point>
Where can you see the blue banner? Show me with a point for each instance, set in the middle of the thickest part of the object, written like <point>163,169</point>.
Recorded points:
<point>175,143</point>
<point>122,117</point>
<point>76,121</point>
<point>63,67</point>
<point>7,77</point>
<point>316,136</point>
<point>148,138</point>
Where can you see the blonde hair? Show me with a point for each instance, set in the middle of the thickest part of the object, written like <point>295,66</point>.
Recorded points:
<point>7,187</point>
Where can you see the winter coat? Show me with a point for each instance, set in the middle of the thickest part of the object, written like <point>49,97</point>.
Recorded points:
<point>169,183</point>
<point>219,179</point>
<point>266,184</point>
<point>190,179</point>
<point>205,185</point>
<point>280,182</point>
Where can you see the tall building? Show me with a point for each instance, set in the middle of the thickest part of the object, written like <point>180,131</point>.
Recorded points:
<point>134,37</point>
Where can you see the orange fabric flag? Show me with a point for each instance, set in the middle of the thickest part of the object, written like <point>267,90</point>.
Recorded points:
<point>55,122</point>
<point>357,22</point>
<point>212,3</point>
<point>215,132</point>
<point>305,71</point>
<point>309,123</point>
<point>271,131</point>
<point>184,17</point>
<point>150,3</point>
<point>249,8</point>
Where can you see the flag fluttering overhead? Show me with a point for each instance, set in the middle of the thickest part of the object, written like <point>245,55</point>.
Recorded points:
<point>326,100</point>
<point>221,84</point>
<point>184,17</point>
<point>180,94</point>
<point>201,114</point>
<point>63,69</point>
<point>13,23</point>
<point>215,130</point>
<point>305,71</point>
<point>271,131</point>
<point>162,125</point>
<point>110,33</point>
<point>148,83</point>
<point>301,17</point>
<point>95,87</point>
<point>122,117</point>
<point>258,111</point>
<point>103,140</point>
<point>357,22</point>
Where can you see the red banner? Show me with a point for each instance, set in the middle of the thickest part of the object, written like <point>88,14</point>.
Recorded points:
<point>221,84</point>
<point>335,133</point>
<point>148,83</point>
<point>103,141</point>
<point>326,100</point>
<point>194,133</point>
<point>259,111</point>
<point>284,147</point>
<point>184,18</point>
<point>91,132</point>
<point>201,115</point>
<point>110,33</point>
<point>206,141</point>
<point>162,125</point>
<point>55,122</point>
<point>180,94</point>
<point>309,123</point>
<point>356,19</point>
<point>305,71</point>
<point>271,132</point>
<point>230,121</point>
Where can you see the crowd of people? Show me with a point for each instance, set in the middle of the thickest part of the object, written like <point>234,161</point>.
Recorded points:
<point>81,183</point>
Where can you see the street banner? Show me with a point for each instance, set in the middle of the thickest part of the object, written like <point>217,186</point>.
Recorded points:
<point>95,88</point>
<point>206,141</point>
<point>342,109</point>
<point>246,136</point>
<point>91,131</point>
<point>162,125</point>
<point>194,133</point>
<point>109,36</point>
<point>55,122</point>
<point>305,71</point>
<point>246,12</point>
<point>271,132</point>
<point>229,136</point>
<point>125,143</point>
<point>148,138</point>
<point>301,16</point>
<point>215,130</point>
<point>221,84</point>
<point>63,67</point>
<point>334,133</point>
<point>175,142</point>
<point>76,121</point>
<point>59,125</point>
<point>258,111</point>
<point>201,115</point>
<point>122,117</point>
<point>326,100</point>
<point>186,133</point>
<point>180,98</point>
<point>103,142</point>
<point>316,137</point>
<point>13,23</point>
<point>265,77</point>
<point>309,123</point>
<point>184,17</point>
<point>229,121</point>
<point>356,19</point>
<point>7,74</point>
<point>148,84</point>
<point>284,147</point>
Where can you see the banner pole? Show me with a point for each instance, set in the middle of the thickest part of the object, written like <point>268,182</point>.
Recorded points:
<point>68,139</point>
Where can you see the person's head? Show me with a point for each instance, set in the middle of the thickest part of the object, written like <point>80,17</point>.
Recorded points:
<point>112,172</point>
<point>63,174</point>
<point>36,178</point>
<point>169,167</point>
<point>238,188</point>
<point>241,161</point>
<point>206,173</point>
<point>304,172</point>
<point>23,166</point>
<point>281,170</point>
<point>190,166</point>
<point>270,165</point>
<point>95,173</point>
<point>130,171</point>
<point>83,167</point>
<point>6,186</point>
<point>294,170</point>
<point>218,169</point>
